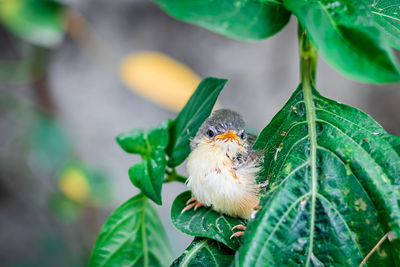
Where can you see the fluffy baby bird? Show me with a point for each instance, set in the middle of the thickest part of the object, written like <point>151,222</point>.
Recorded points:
<point>222,166</point>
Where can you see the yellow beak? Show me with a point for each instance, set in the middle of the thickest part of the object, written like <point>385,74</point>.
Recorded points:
<point>231,135</point>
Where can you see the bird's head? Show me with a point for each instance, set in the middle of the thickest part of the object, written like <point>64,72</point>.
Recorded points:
<point>224,129</point>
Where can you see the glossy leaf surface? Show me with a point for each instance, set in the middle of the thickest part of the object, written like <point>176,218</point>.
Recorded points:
<point>243,20</point>
<point>386,14</point>
<point>132,236</point>
<point>40,22</point>
<point>205,252</point>
<point>204,222</point>
<point>189,120</point>
<point>331,207</point>
<point>344,33</point>
<point>148,175</point>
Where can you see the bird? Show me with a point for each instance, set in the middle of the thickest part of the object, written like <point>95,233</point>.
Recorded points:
<point>222,167</point>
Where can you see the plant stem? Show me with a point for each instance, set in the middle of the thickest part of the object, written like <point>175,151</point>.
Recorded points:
<point>308,58</point>
<point>173,176</point>
<point>308,64</point>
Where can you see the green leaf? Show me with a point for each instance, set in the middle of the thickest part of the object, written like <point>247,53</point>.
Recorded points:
<point>40,22</point>
<point>132,236</point>
<point>204,222</point>
<point>139,141</point>
<point>148,175</point>
<point>240,19</point>
<point>334,181</point>
<point>205,252</point>
<point>345,35</point>
<point>386,14</point>
<point>134,142</point>
<point>189,120</point>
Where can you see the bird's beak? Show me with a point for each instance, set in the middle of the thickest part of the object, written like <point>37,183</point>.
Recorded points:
<point>231,135</point>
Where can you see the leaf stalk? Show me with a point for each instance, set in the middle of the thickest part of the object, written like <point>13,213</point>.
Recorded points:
<point>308,57</point>
<point>173,176</point>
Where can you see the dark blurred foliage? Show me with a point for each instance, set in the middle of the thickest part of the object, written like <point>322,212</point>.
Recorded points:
<point>49,198</point>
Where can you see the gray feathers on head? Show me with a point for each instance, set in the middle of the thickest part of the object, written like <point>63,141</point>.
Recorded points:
<point>220,121</point>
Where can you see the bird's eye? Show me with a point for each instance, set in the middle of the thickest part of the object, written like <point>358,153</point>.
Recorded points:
<point>210,133</point>
<point>242,135</point>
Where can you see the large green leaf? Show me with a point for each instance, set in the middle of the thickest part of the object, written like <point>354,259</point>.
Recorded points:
<point>386,14</point>
<point>189,120</point>
<point>40,22</point>
<point>148,175</point>
<point>334,180</point>
<point>204,222</point>
<point>345,34</point>
<point>240,19</point>
<point>205,252</point>
<point>132,236</point>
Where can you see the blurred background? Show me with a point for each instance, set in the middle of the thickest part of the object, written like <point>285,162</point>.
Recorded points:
<point>74,74</point>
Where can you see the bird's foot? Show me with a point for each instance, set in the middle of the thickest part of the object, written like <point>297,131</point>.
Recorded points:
<point>192,203</point>
<point>238,233</point>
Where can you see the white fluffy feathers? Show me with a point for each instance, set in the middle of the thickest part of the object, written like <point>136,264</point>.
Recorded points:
<point>216,181</point>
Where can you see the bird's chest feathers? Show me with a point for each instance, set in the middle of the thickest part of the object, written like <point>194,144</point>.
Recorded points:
<point>211,173</point>
<point>208,160</point>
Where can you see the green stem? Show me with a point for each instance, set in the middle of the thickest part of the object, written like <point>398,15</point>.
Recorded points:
<point>308,64</point>
<point>308,58</point>
<point>173,176</point>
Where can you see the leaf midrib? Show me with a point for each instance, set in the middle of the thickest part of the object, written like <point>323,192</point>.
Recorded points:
<point>144,236</point>
<point>141,211</point>
<point>312,132</point>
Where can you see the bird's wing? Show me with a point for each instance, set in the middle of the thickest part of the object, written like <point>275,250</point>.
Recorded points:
<point>253,157</point>
<point>251,139</point>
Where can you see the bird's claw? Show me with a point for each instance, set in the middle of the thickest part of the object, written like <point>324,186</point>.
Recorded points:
<point>198,205</point>
<point>192,202</point>
<point>240,227</point>
<point>238,233</point>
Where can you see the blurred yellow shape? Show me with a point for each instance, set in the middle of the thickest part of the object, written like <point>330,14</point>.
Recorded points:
<point>159,78</point>
<point>74,184</point>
